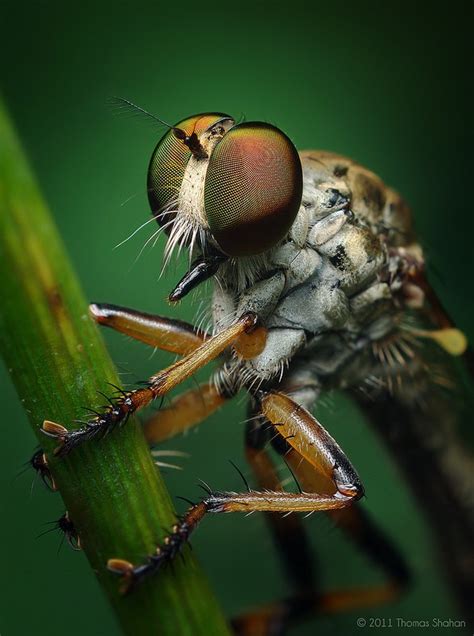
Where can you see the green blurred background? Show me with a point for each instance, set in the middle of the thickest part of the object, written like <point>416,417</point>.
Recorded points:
<point>383,83</point>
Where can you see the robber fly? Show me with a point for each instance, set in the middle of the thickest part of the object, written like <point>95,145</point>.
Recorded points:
<point>319,284</point>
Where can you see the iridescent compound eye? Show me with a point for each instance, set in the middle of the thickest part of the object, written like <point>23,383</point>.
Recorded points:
<point>253,188</point>
<point>168,164</point>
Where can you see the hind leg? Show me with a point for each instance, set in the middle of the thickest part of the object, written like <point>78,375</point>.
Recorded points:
<point>290,537</point>
<point>306,436</point>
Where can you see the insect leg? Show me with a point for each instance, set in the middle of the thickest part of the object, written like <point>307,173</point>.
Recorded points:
<point>158,385</point>
<point>288,532</point>
<point>164,333</point>
<point>290,539</point>
<point>312,442</point>
<point>353,520</point>
<point>359,527</point>
<point>39,463</point>
<point>185,411</point>
<point>65,525</point>
<point>307,437</point>
<point>276,617</point>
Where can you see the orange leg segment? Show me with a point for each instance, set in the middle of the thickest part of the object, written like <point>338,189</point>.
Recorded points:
<point>307,436</point>
<point>288,532</point>
<point>158,385</point>
<point>185,411</point>
<point>309,600</point>
<point>274,618</point>
<point>164,333</point>
<point>306,432</point>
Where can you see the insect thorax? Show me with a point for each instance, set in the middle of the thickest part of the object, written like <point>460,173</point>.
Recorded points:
<point>332,288</point>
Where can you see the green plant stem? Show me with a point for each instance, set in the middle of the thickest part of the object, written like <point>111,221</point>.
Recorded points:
<point>58,363</point>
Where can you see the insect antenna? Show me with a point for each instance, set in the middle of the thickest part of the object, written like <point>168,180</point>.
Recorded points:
<point>125,105</point>
<point>122,105</point>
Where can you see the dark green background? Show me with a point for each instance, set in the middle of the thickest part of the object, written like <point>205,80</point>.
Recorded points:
<point>382,82</point>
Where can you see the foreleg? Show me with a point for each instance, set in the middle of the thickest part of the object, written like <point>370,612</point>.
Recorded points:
<point>163,333</point>
<point>158,385</point>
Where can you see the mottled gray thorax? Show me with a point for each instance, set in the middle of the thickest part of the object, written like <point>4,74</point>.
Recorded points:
<point>329,289</point>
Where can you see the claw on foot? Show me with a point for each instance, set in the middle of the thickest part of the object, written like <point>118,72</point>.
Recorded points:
<point>125,570</point>
<point>39,462</point>
<point>58,432</point>
<point>52,429</point>
<point>170,547</point>
<point>67,526</point>
<point>120,566</point>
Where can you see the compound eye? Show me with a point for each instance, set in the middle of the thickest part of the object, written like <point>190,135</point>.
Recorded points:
<point>168,164</point>
<point>253,188</point>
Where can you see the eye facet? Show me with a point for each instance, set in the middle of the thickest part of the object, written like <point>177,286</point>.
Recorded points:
<point>168,164</point>
<point>253,188</point>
